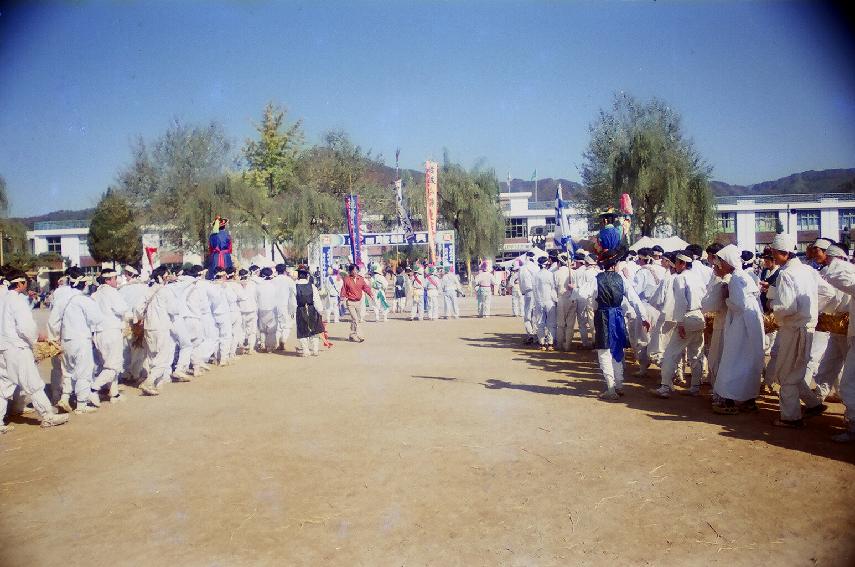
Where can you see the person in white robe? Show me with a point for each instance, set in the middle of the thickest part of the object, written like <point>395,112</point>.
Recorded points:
<point>133,291</point>
<point>688,333</point>
<point>794,302</point>
<point>738,374</point>
<point>75,325</point>
<point>545,297</point>
<point>450,286</point>
<point>564,304</point>
<point>109,340</point>
<point>841,274</point>
<point>157,314</point>
<point>18,337</point>
<point>248,305</point>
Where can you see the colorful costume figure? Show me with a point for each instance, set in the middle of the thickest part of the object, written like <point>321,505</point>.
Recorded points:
<point>219,247</point>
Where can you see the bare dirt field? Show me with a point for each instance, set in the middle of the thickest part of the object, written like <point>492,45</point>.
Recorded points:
<point>432,443</point>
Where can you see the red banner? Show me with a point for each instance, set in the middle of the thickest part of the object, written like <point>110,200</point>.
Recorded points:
<point>431,205</point>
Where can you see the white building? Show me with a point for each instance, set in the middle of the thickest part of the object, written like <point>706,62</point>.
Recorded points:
<point>66,238</point>
<point>751,221</point>
<point>525,219</point>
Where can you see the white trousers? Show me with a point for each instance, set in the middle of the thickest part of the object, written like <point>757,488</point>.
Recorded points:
<point>417,310</point>
<point>21,371</point>
<point>224,333</point>
<point>585,317</point>
<point>612,369</point>
<point>309,345</point>
<point>161,351</point>
<point>563,322</point>
<point>485,300</point>
<point>238,335</point>
<point>528,312</point>
<point>331,309</point>
<point>831,364</point>
<point>80,363</point>
<point>847,384</point>
<point>544,317</point>
<point>452,308</point>
<point>433,304</point>
<point>516,303</point>
<point>716,349</point>
<point>250,329</point>
<point>693,346</point>
<point>268,327</point>
<point>197,341</point>
<point>183,343</point>
<point>794,345</point>
<point>110,345</point>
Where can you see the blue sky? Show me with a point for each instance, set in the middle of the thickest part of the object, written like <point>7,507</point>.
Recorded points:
<point>765,88</point>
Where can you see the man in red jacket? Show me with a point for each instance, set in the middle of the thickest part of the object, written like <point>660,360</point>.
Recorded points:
<point>351,291</point>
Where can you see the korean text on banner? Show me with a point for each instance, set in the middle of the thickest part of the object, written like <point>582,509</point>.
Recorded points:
<point>351,211</point>
<point>431,204</point>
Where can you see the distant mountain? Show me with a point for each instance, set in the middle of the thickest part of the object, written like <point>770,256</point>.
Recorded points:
<point>806,182</point>
<point>82,214</point>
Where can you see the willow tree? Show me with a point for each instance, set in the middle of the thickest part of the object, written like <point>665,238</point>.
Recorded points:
<point>469,203</point>
<point>640,149</point>
<point>178,181</point>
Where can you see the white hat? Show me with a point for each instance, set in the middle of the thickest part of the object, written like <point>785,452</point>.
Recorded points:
<point>684,258</point>
<point>731,255</point>
<point>821,243</point>
<point>132,270</point>
<point>835,252</point>
<point>784,243</point>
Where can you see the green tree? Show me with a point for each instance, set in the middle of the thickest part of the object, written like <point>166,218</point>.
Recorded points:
<point>469,203</point>
<point>271,160</point>
<point>640,149</point>
<point>180,181</point>
<point>114,235</point>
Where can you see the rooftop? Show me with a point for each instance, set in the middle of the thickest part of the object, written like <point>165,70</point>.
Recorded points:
<point>788,198</point>
<point>60,225</point>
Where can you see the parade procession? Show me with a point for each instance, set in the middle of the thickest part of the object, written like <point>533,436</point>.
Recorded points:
<point>715,321</point>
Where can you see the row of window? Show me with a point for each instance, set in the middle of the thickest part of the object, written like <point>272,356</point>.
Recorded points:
<point>769,221</point>
<point>54,244</point>
<point>518,227</point>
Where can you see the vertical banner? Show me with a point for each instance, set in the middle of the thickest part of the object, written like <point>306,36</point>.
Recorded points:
<point>431,205</point>
<point>351,211</point>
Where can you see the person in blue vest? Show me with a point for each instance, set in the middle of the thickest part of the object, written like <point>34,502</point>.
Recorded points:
<point>219,247</point>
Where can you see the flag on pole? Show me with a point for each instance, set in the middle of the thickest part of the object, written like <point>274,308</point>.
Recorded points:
<point>561,236</point>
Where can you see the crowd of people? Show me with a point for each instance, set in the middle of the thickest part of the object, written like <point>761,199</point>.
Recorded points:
<point>708,311</point>
<point>703,312</point>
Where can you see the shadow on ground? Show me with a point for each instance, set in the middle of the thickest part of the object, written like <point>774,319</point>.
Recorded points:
<point>576,373</point>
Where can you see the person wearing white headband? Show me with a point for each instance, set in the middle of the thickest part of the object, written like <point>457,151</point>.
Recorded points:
<point>545,297</point>
<point>200,320</point>
<point>18,336</point>
<point>738,378</point>
<point>688,336</point>
<point>584,282</point>
<point>793,300</point>
<point>450,285</point>
<point>564,305</point>
<point>134,292</point>
<point>75,323</point>
<point>108,339</point>
<point>841,274</point>
<point>157,314</point>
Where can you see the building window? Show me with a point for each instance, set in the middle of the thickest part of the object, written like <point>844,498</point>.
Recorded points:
<point>516,228</point>
<point>807,220</point>
<point>83,244</point>
<point>766,221</point>
<point>726,222</point>
<point>550,224</point>
<point>847,219</point>
<point>54,244</point>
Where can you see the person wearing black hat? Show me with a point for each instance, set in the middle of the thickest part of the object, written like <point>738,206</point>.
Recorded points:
<point>308,316</point>
<point>545,297</point>
<point>157,314</point>
<point>108,338</point>
<point>266,299</point>
<point>248,305</point>
<point>610,333</point>
<point>286,306</point>
<point>527,272</point>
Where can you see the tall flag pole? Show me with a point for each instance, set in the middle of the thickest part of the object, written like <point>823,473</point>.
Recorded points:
<point>561,236</point>
<point>431,170</point>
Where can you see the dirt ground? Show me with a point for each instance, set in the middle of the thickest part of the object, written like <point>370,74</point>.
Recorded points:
<point>432,443</point>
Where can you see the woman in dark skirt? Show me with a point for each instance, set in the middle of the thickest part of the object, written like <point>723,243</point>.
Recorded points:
<point>609,326</point>
<point>309,308</point>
